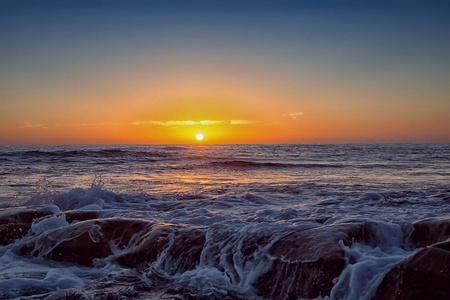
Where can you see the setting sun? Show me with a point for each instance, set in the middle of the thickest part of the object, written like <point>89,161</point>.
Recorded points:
<point>199,136</point>
<point>225,126</point>
<point>274,82</point>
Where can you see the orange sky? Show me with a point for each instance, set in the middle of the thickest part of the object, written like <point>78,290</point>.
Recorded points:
<point>303,75</point>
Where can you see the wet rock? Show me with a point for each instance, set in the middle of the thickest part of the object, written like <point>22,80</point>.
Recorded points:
<point>79,215</point>
<point>140,242</point>
<point>21,215</point>
<point>81,250</point>
<point>422,275</point>
<point>184,254</point>
<point>15,224</point>
<point>184,247</point>
<point>147,246</point>
<point>304,263</point>
<point>84,241</point>
<point>430,231</point>
<point>9,233</point>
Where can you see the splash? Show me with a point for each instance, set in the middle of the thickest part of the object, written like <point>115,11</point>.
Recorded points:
<point>44,193</point>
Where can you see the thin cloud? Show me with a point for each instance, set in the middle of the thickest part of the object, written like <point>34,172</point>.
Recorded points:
<point>241,122</point>
<point>295,115</point>
<point>137,123</point>
<point>173,123</point>
<point>31,125</point>
<point>209,122</point>
<point>177,123</point>
<point>191,123</point>
<point>102,124</point>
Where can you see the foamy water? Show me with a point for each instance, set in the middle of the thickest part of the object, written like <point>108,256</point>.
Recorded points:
<point>219,212</point>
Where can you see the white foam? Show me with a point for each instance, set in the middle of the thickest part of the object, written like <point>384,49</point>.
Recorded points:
<point>206,278</point>
<point>49,207</point>
<point>49,223</point>
<point>94,207</point>
<point>33,276</point>
<point>359,280</point>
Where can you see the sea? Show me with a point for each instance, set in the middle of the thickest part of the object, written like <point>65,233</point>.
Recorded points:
<point>211,221</point>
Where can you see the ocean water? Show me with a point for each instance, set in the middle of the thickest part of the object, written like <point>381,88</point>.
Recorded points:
<point>202,221</point>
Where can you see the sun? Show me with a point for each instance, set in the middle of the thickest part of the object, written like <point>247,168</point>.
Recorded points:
<point>199,136</point>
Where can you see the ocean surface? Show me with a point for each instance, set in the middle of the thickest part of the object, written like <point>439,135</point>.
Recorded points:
<point>210,221</point>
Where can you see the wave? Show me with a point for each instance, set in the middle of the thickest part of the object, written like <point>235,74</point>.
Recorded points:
<point>251,246</point>
<point>252,164</point>
<point>104,153</point>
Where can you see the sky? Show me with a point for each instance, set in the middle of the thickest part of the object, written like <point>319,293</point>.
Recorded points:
<point>160,72</point>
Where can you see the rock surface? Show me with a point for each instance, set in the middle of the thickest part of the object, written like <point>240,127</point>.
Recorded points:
<point>140,241</point>
<point>304,263</point>
<point>15,223</point>
<point>78,215</point>
<point>422,275</point>
<point>301,264</point>
<point>183,248</point>
<point>430,231</point>
<point>426,273</point>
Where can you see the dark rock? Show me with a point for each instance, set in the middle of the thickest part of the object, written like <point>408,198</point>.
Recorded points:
<point>79,215</point>
<point>184,254</point>
<point>147,246</point>
<point>430,231</point>
<point>143,241</point>
<point>184,247</point>
<point>422,275</point>
<point>304,263</point>
<point>15,224</point>
<point>84,241</point>
<point>21,215</point>
<point>80,250</point>
<point>9,233</point>
<point>78,243</point>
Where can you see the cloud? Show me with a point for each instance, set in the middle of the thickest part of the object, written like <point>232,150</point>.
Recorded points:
<point>171,123</point>
<point>102,124</point>
<point>295,115</point>
<point>209,122</point>
<point>137,123</point>
<point>175,123</point>
<point>31,125</point>
<point>183,123</point>
<point>241,122</point>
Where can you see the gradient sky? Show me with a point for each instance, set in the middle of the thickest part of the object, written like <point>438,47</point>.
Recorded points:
<point>83,72</point>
